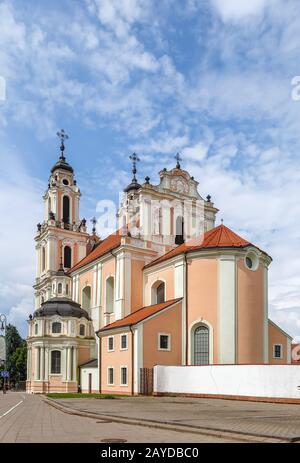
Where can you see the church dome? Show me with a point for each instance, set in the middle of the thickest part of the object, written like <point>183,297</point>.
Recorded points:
<point>61,306</point>
<point>134,185</point>
<point>62,164</point>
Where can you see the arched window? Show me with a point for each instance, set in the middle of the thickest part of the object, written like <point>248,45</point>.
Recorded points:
<point>66,209</point>
<point>110,291</point>
<point>179,238</point>
<point>81,330</point>
<point>67,289</point>
<point>59,288</point>
<point>67,257</point>
<point>36,328</point>
<point>43,258</point>
<point>201,345</point>
<point>55,361</point>
<point>56,327</point>
<point>158,292</point>
<point>86,298</point>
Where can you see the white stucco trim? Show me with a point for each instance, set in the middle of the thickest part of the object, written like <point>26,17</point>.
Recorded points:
<point>138,357</point>
<point>227,309</point>
<point>123,366</point>
<point>107,376</point>
<point>123,348</point>
<point>151,289</point>
<point>281,351</point>
<point>179,279</point>
<point>169,348</point>
<point>71,206</point>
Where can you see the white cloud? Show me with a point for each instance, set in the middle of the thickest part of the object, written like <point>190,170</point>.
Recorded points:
<point>20,209</point>
<point>234,10</point>
<point>196,152</point>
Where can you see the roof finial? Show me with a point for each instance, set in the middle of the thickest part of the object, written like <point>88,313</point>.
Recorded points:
<point>134,158</point>
<point>222,220</point>
<point>63,136</point>
<point>178,159</point>
<point>94,222</point>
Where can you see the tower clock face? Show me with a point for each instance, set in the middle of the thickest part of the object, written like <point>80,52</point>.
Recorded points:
<point>179,185</point>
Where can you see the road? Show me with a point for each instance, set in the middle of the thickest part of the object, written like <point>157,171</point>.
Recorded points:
<point>27,418</point>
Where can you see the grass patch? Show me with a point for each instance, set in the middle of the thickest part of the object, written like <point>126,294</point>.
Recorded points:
<point>75,395</point>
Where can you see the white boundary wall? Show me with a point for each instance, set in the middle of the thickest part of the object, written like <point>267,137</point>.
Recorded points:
<point>238,380</point>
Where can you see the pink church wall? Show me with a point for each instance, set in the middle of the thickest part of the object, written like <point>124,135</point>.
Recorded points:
<point>116,359</point>
<point>203,296</point>
<point>168,322</point>
<point>250,314</point>
<point>136,284</point>
<point>277,337</point>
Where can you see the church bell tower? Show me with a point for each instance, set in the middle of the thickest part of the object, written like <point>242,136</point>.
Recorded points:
<point>62,238</point>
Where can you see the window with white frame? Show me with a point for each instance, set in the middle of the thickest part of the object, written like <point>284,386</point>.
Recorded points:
<point>277,351</point>
<point>164,341</point>
<point>110,344</point>
<point>123,376</point>
<point>123,341</point>
<point>110,376</point>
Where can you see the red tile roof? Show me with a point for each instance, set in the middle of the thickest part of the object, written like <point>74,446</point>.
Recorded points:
<point>139,315</point>
<point>108,244</point>
<point>218,237</point>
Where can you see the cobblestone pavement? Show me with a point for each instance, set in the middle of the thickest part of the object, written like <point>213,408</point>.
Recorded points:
<point>255,418</point>
<point>27,418</point>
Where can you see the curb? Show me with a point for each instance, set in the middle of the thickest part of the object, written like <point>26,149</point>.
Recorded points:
<point>213,432</point>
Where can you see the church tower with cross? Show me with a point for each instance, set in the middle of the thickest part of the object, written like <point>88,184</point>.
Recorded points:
<point>62,239</point>
<point>168,213</point>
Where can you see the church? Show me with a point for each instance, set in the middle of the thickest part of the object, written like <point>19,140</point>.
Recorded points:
<point>169,287</point>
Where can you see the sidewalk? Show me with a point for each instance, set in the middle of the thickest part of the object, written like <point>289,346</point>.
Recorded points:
<point>248,420</point>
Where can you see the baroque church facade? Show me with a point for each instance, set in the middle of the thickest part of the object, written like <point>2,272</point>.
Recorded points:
<point>169,287</point>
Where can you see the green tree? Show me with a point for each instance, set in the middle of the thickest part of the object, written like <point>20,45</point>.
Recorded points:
<point>19,360</point>
<point>13,342</point>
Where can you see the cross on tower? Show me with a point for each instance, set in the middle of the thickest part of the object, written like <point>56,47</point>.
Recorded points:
<point>62,136</point>
<point>94,222</point>
<point>178,159</point>
<point>134,158</point>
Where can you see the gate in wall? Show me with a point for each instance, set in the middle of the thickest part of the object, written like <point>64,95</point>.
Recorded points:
<point>146,381</point>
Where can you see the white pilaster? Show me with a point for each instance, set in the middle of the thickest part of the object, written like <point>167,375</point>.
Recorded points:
<point>42,352</point>
<point>75,354</point>
<point>37,363</point>
<point>46,374</point>
<point>179,279</point>
<point>227,310</point>
<point>94,289</point>
<point>138,357</point>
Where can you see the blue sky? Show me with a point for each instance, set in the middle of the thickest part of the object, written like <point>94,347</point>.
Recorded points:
<point>208,78</point>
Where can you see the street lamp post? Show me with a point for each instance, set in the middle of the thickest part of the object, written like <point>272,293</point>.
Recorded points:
<point>3,333</point>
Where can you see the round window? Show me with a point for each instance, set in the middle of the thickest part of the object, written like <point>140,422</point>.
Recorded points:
<point>252,260</point>
<point>249,262</point>
<point>65,181</point>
